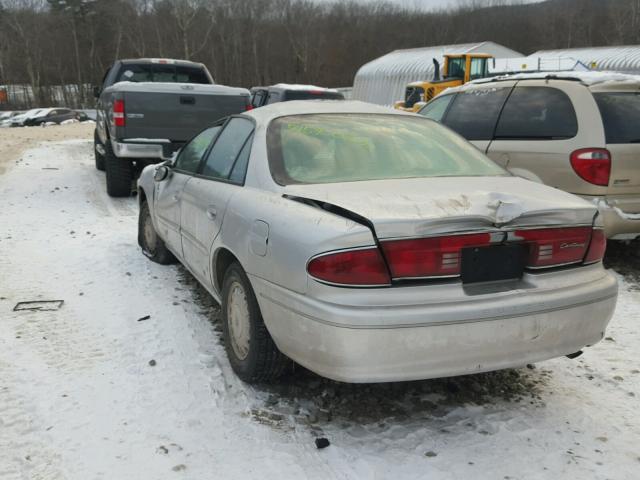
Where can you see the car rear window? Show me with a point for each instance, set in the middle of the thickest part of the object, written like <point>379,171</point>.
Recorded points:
<point>474,113</point>
<point>620,115</point>
<point>537,113</point>
<point>330,148</point>
<point>169,73</point>
<point>312,95</point>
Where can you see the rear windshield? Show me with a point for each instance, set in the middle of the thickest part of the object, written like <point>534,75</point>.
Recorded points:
<point>329,148</point>
<point>153,72</point>
<point>620,115</point>
<point>312,95</point>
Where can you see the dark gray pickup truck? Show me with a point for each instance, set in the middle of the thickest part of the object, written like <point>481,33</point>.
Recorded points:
<point>149,108</point>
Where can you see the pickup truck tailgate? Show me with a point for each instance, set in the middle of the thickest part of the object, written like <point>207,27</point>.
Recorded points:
<point>176,111</point>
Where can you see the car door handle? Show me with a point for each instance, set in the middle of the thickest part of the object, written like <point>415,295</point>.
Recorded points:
<point>212,213</point>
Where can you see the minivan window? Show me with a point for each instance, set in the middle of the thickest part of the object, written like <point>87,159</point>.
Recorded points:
<point>436,108</point>
<point>474,113</point>
<point>620,115</point>
<point>330,148</point>
<point>537,113</point>
<point>312,95</point>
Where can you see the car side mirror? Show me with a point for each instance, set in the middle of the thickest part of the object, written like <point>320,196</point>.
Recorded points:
<point>96,91</point>
<point>162,173</point>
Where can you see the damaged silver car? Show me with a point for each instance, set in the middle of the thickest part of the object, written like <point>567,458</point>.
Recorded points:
<point>372,245</point>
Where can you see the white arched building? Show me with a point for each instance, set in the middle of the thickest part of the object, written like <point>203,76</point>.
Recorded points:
<point>624,59</point>
<point>384,79</point>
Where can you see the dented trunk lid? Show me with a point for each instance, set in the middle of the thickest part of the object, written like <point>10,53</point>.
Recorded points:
<point>400,208</point>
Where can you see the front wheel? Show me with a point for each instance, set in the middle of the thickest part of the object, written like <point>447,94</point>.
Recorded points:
<point>252,353</point>
<point>152,245</point>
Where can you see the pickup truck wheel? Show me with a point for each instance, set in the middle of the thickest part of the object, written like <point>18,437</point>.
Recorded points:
<point>152,245</point>
<point>252,353</point>
<point>98,156</point>
<point>119,173</point>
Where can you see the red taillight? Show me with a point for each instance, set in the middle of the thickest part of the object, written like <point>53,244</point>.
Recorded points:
<point>430,257</point>
<point>248,107</point>
<point>118,113</point>
<point>555,246</point>
<point>363,267</point>
<point>597,247</point>
<point>592,165</point>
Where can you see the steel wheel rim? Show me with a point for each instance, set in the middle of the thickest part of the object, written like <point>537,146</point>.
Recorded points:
<point>238,320</point>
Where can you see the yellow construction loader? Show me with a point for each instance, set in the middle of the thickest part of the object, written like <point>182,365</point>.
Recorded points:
<point>457,70</point>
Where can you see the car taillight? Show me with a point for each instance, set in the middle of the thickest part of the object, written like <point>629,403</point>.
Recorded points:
<point>551,247</point>
<point>248,107</point>
<point>597,246</point>
<point>363,267</point>
<point>592,165</point>
<point>430,257</point>
<point>118,113</point>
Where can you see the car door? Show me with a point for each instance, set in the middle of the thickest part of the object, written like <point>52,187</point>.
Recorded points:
<point>206,196</point>
<point>167,195</point>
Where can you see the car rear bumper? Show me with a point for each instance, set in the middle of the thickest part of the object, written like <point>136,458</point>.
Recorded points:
<point>620,214</point>
<point>436,339</point>
<point>142,148</point>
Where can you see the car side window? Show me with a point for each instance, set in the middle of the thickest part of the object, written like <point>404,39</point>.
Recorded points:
<point>537,113</point>
<point>239,171</point>
<point>191,154</point>
<point>436,108</point>
<point>474,113</point>
<point>258,97</point>
<point>226,150</point>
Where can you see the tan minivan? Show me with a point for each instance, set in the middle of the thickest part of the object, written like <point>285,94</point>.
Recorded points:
<point>576,131</point>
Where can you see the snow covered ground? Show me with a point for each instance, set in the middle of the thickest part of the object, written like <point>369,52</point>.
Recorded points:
<point>93,391</point>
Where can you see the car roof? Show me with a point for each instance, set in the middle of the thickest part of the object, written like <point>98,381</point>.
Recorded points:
<point>307,107</point>
<point>160,61</point>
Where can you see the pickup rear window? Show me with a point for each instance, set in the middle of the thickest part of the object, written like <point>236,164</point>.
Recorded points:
<point>620,115</point>
<point>152,72</point>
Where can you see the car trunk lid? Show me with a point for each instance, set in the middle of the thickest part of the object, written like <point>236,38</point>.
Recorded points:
<point>430,206</point>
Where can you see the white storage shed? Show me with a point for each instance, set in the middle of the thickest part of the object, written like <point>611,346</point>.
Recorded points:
<point>624,59</point>
<point>384,79</point>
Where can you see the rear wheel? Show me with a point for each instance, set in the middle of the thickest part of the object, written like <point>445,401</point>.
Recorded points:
<point>252,353</point>
<point>98,156</point>
<point>119,173</point>
<point>152,245</point>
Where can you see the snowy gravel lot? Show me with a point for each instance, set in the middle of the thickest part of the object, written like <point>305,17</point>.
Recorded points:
<point>93,391</point>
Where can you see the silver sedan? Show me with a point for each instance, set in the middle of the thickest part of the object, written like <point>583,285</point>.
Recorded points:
<point>372,245</point>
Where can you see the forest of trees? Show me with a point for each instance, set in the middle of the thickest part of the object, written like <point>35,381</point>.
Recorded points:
<point>250,42</point>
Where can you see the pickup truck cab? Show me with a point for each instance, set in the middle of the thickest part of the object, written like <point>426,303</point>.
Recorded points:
<point>149,108</point>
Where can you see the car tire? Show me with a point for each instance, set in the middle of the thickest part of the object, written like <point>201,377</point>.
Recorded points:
<point>98,156</point>
<point>251,350</point>
<point>119,173</point>
<point>152,245</point>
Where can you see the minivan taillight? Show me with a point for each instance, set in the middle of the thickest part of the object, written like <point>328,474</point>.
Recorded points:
<point>362,267</point>
<point>597,247</point>
<point>592,165</point>
<point>118,113</point>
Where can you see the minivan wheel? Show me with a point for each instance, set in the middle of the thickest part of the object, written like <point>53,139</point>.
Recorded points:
<point>98,156</point>
<point>119,173</point>
<point>152,245</point>
<point>252,353</point>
